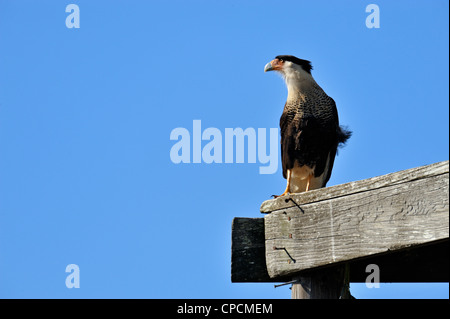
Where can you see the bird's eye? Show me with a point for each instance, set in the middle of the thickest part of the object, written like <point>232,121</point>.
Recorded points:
<point>281,60</point>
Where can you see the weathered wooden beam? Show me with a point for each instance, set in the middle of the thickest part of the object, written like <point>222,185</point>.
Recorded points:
<point>248,256</point>
<point>356,220</point>
<point>419,263</point>
<point>346,189</point>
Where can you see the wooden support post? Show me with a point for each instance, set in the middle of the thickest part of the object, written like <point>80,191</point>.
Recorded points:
<point>302,289</point>
<point>317,287</point>
<point>319,284</point>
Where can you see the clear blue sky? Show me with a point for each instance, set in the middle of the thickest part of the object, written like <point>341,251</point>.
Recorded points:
<point>86,114</point>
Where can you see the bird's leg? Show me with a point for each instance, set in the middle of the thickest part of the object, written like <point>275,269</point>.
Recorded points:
<point>308,183</point>
<point>288,185</point>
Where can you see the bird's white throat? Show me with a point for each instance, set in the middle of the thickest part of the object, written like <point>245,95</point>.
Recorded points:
<point>297,81</point>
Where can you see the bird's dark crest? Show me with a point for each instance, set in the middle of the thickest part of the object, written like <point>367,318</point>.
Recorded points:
<point>305,64</point>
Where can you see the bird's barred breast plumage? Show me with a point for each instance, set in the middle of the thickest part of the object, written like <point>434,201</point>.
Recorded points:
<point>309,137</point>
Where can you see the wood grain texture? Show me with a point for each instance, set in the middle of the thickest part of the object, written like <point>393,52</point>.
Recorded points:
<point>356,220</point>
<point>248,259</point>
<point>391,179</point>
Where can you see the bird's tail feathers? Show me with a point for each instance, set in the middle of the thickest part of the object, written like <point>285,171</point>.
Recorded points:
<point>343,135</point>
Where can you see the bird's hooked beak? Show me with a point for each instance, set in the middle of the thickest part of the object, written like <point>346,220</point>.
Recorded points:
<point>274,65</point>
<point>268,67</point>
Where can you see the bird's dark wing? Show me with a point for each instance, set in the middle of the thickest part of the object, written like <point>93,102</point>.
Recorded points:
<point>309,140</point>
